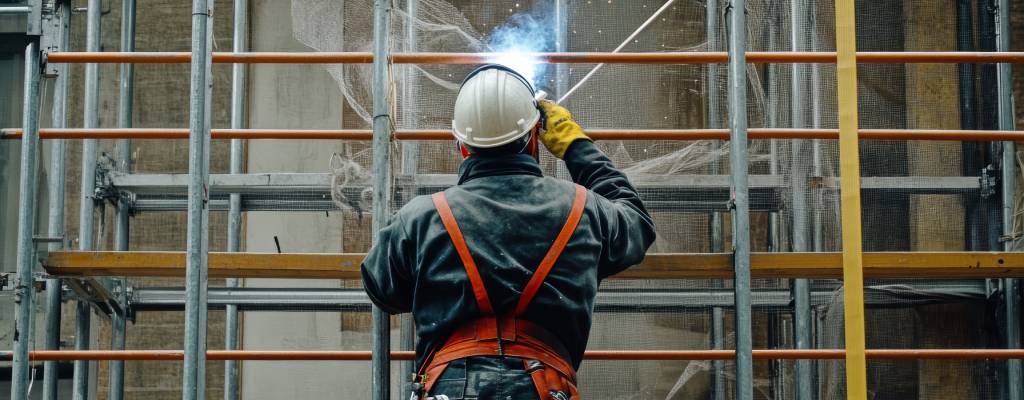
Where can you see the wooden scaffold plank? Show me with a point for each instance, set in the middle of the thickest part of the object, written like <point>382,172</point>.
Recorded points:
<point>924,265</point>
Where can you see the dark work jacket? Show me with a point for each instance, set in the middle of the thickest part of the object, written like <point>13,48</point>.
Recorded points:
<point>510,214</point>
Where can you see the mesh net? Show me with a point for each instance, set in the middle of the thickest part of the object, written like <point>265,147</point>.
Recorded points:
<point>794,183</point>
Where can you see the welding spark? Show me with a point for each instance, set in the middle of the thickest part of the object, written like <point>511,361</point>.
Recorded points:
<point>519,61</point>
<point>515,40</point>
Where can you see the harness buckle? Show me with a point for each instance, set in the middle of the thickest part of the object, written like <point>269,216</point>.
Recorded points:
<point>558,395</point>
<point>534,365</point>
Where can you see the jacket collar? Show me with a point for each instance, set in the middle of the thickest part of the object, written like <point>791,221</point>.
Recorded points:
<point>516,164</point>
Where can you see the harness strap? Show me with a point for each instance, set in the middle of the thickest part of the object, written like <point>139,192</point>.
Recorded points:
<point>485,335</point>
<point>479,291</point>
<point>575,213</point>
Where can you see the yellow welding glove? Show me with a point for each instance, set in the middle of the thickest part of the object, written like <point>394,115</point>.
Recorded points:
<point>560,130</point>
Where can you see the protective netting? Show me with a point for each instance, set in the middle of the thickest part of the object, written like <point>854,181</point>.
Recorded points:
<point>794,183</point>
<point>908,206</point>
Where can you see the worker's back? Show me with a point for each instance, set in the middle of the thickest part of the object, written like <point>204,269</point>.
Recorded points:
<point>501,271</point>
<point>509,215</point>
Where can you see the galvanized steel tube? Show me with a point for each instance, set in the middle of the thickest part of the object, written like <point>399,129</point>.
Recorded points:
<point>126,100</point>
<point>381,385</point>
<point>741,211</point>
<point>714,121</point>
<point>83,316</point>
<point>193,379</point>
<point>90,120</point>
<point>410,94</point>
<point>239,43</point>
<point>410,162</point>
<point>777,234</point>
<point>800,167</point>
<point>87,203</point>
<point>817,169</point>
<point>1004,77</point>
<point>123,157</point>
<point>55,182</point>
<point>23,289</point>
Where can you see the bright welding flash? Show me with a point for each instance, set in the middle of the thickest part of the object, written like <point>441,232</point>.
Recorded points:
<point>520,62</point>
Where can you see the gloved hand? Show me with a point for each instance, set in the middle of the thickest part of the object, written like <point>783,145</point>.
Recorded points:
<point>560,130</point>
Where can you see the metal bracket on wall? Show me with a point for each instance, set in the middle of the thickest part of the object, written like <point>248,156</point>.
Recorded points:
<point>51,35</point>
<point>98,294</point>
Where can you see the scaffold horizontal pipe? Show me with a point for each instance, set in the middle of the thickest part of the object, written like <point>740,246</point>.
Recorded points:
<point>597,134</point>
<point>548,58</point>
<point>593,355</point>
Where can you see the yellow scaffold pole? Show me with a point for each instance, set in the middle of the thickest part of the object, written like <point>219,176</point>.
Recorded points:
<point>849,160</point>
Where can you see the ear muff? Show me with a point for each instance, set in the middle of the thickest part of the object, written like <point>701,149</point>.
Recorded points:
<point>464,150</point>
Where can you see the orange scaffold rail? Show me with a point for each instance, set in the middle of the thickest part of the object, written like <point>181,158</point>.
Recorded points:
<point>550,58</point>
<point>597,134</point>
<point>605,355</point>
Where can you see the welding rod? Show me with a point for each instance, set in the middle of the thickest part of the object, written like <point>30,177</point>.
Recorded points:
<point>617,49</point>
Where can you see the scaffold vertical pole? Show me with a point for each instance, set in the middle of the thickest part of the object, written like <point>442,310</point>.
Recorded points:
<point>23,290</point>
<point>778,230</point>
<point>714,121</point>
<point>741,206</point>
<point>240,37</point>
<point>90,120</point>
<point>1004,77</point>
<point>382,127</point>
<point>83,318</point>
<point>410,148</point>
<point>799,169</point>
<point>87,202</point>
<point>118,321</point>
<point>817,169</point>
<point>55,183</point>
<point>849,162</point>
<point>193,376</point>
<point>410,163</point>
<point>124,116</point>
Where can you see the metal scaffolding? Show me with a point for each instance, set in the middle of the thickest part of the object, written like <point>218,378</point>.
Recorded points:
<point>737,193</point>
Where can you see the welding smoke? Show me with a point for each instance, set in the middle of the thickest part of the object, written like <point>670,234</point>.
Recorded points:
<point>524,33</point>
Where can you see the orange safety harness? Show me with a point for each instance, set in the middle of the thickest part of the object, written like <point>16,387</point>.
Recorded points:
<point>545,358</point>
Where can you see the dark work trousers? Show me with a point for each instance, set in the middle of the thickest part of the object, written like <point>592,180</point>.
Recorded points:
<point>486,378</point>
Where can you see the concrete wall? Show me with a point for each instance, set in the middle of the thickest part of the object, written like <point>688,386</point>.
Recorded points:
<point>295,96</point>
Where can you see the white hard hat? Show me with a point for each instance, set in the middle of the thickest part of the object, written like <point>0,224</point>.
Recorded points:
<point>495,106</point>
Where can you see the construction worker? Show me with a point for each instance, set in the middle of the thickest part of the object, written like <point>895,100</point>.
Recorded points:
<point>501,271</point>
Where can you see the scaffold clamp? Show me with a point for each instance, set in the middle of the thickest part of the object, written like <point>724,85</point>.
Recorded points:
<point>989,182</point>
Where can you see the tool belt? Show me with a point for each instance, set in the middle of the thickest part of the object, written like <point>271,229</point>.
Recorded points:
<point>544,358</point>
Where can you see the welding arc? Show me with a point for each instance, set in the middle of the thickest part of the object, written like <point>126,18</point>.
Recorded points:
<point>617,49</point>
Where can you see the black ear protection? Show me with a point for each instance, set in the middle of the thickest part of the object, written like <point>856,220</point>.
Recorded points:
<point>532,145</point>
